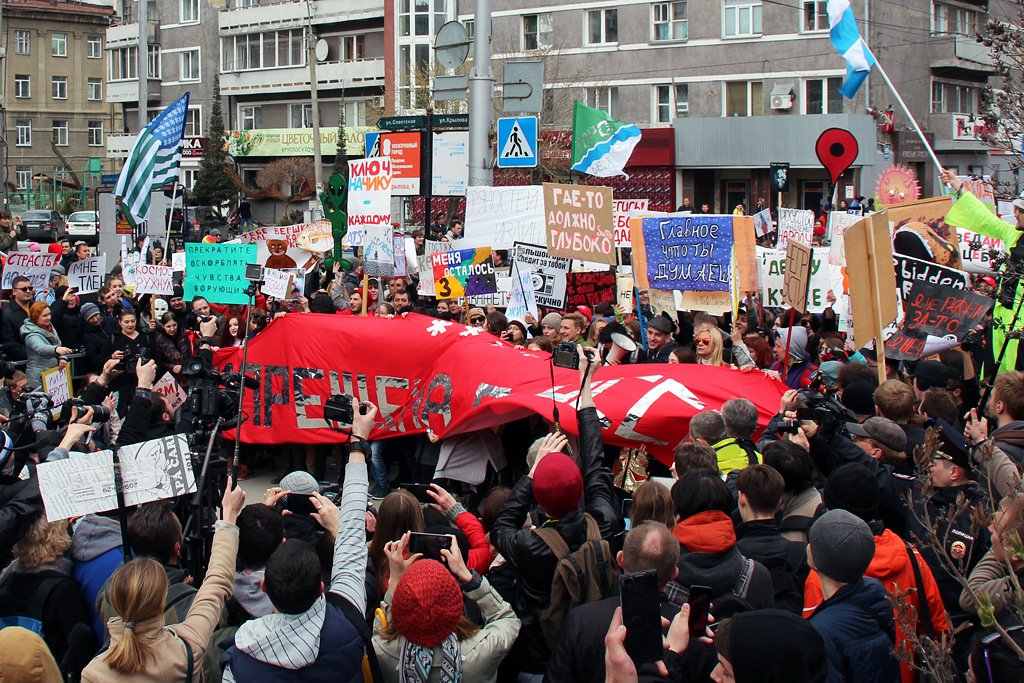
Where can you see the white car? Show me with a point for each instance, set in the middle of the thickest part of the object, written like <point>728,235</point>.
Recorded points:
<point>83,225</point>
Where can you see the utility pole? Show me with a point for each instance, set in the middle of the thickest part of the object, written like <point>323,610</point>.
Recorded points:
<point>481,98</point>
<point>318,174</point>
<point>142,66</point>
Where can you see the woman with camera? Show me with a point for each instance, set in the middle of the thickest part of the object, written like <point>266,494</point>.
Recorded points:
<point>42,345</point>
<point>129,345</point>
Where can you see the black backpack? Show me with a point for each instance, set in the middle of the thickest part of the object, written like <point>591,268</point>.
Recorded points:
<point>788,572</point>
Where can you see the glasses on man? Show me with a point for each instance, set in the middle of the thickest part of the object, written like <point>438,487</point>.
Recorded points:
<point>24,289</point>
<point>476,320</point>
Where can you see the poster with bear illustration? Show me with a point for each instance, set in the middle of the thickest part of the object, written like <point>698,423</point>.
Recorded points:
<point>277,246</point>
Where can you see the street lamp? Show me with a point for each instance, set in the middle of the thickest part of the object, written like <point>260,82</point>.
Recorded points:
<point>314,206</point>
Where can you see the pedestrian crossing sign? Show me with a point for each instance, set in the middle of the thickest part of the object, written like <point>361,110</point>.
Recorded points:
<point>517,142</point>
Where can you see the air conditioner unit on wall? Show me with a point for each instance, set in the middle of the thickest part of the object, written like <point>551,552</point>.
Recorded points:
<point>782,102</point>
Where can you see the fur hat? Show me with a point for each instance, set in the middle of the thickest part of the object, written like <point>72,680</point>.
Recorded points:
<point>557,485</point>
<point>427,604</point>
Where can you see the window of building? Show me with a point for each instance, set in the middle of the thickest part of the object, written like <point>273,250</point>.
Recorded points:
<point>949,19</point>
<point>602,26</point>
<point>94,133</point>
<point>821,96</point>
<point>300,116</point>
<point>669,21</point>
<point>22,177</point>
<point>742,18</point>
<point>22,86</point>
<point>59,44</point>
<point>22,42</point>
<point>249,117</point>
<point>815,15</point>
<point>270,50</point>
<point>59,87</point>
<point>671,101</point>
<point>353,48</point>
<point>23,133</point>
<point>537,31</point>
<point>355,113</point>
<point>189,65</point>
<point>744,98</point>
<point>154,61</point>
<point>194,122</point>
<point>188,177</point>
<point>95,89</point>
<point>94,47</point>
<point>470,25</point>
<point>61,132</point>
<point>123,64</point>
<point>954,98</point>
<point>189,11</point>
<point>604,98</point>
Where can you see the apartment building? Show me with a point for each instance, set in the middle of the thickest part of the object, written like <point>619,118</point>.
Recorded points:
<point>55,119</point>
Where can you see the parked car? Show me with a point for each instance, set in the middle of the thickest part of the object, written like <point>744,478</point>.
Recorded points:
<point>84,225</point>
<point>195,223</point>
<point>43,226</point>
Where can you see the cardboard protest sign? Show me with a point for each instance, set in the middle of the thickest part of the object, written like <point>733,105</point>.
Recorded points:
<point>838,224</point>
<point>687,252</point>
<point>130,259</point>
<point>746,266</point>
<point>56,383</point>
<point>549,273</point>
<point>944,311</point>
<point>919,230</point>
<point>278,246</point>
<point>910,271</point>
<point>276,283</point>
<point>663,301</point>
<point>624,292</point>
<point>369,197</point>
<point>379,251</point>
<point>84,484</point>
<point>34,265</point>
<point>466,272</point>
<point>904,346</point>
<point>217,271</point>
<point>178,261</point>
<point>796,223</point>
<point>869,255</point>
<point>425,268</point>
<point>151,279</point>
<point>975,251</point>
<point>585,289</point>
<point>798,275</point>
<point>621,210</point>
<point>521,299</point>
<point>824,278</point>
<point>172,392</point>
<point>708,302</point>
<point>87,276</point>
<point>399,252</point>
<point>980,188</point>
<point>497,217</point>
<point>579,222</point>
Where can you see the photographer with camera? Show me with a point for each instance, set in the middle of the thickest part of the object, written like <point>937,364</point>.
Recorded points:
<point>130,345</point>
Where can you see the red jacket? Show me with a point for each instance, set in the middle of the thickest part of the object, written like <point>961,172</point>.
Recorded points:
<point>480,556</point>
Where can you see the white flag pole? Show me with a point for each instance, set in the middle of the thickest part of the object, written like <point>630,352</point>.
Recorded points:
<point>903,106</point>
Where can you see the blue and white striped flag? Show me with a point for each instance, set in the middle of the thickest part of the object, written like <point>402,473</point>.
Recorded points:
<point>845,37</point>
<point>153,162</point>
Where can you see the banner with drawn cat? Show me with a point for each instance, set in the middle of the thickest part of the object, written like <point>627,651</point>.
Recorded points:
<point>277,246</point>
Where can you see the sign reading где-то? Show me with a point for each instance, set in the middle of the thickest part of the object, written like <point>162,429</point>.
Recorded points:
<point>579,222</point>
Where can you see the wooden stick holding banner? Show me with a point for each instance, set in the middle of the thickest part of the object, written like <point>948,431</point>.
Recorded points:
<point>873,299</point>
<point>366,291</point>
<point>795,286</point>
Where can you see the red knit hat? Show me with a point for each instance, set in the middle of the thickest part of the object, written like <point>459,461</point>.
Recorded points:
<point>557,485</point>
<point>427,604</point>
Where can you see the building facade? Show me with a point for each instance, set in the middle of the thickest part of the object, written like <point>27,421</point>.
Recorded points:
<point>55,117</point>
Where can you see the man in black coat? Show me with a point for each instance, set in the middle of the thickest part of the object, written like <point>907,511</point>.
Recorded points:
<point>15,313</point>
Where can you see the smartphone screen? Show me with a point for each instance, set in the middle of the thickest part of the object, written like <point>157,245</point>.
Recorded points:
<point>641,615</point>
<point>429,545</point>
<point>418,490</point>
<point>700,604</point>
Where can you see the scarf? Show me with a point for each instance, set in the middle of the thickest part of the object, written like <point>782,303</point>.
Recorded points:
<point>415,660</point>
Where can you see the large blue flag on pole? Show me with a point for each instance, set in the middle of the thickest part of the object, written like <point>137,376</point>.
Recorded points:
<point>845,37</point>
<point>153,162</point>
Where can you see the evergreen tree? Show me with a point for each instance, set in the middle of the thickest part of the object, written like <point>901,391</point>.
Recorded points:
<point>341,156</point>
<point>214,186</point>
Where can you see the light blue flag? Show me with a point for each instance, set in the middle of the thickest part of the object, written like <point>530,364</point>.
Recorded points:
<point>845,37</point>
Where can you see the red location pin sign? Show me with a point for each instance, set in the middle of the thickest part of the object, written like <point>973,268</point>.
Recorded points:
<point>837,149</point>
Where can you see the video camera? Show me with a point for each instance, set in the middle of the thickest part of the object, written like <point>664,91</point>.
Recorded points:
<point>824,410</point>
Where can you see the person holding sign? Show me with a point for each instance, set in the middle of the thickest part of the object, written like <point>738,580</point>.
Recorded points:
<point>42,345</point>
<point>799,370</point>
<point>971,214</point>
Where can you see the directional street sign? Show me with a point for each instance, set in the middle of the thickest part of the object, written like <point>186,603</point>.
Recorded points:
<point>517,142</point>
<point>401,122</point>
<point>450,120</point>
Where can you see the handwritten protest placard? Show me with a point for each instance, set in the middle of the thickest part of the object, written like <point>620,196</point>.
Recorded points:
<point>624,292</point>
<point>497,217</point>
<point>590,288</point>
<point>521,299</point>
<point>178,261</point>
<point>34,265</point>
<point>944,311</point>
<point>796,223</point>
<point>911,270</point>
<point>56,383</point>
<point>276,283</point>
<point>838,224</point>
<point>798,275</point>
<point>688,252</point>
<point>379,251</point>
<point>975,250</point>
<point>579,222</point>
<point>87,275</point>
<point>549,273</point>
<point>621,209</point>
<point>466,272</point>
<point>84,484</point>
<point>217,271</point>
<point>824,277</point>
<point>425,268</point>
<point>763,223</point>
<point>369,197</point>
<point>280,246</point>
<point>172,392</point>
<point>399,252</point>
<point>150,279</point>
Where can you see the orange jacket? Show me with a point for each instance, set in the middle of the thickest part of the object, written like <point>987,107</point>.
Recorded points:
<point>891,565</point>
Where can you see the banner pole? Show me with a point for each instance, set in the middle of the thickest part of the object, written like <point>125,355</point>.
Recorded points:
<point>789,338</point>
<point>903,106</point>
<point>366,290</point>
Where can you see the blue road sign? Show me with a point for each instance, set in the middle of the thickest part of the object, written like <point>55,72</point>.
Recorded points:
<point>517,142</point>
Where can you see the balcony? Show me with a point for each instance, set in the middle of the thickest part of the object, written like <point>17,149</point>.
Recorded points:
<point>367,73</point>
<point>293,14</point>
<point>124,35</point>
<point>128,90</point>
<point>959,53</point>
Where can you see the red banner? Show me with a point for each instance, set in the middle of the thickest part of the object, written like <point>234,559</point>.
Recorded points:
<point>425,372</point>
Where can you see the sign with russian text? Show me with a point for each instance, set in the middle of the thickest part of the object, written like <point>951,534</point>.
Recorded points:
<point>549,273</point>
<point>217,271</point>
<point>797,223</point>
<point>56,383</point>
<point>579,222</point>
<point>798,275</point>
<point>279,246</point>
<point>405,153</point>
<point>521,299</point>
<point>621,209</point>
<point>498,217</point>
<point>172,392</point>
<point>911,270</point>
<point>691,252</point>
<point>466,272</point>
<point>150,279</point>
<point>379,251</point>
<point>276,283</point>
<point>587,289</point>
<point>944,311</point>
<point>86,276</point>
<point>824,277</point>
<point>35,265</point>
<point>369,197</point>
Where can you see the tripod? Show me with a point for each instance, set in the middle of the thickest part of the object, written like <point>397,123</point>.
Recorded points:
<point>250,291</point>
<point>202,509</point>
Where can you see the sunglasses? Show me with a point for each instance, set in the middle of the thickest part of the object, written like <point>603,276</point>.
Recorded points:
<point>702,342</point>
<point>476,319</point>
<point>23,289</point>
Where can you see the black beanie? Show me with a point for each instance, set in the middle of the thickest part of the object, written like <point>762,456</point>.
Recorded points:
<point>852,487</point>
<point>775,646</point>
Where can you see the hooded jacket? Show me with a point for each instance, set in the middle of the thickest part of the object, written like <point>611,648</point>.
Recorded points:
<point>40,349</point>
<point>851,623</point>
<point>1010,438</point>
<point>891,566</point>
<point>96,553</point>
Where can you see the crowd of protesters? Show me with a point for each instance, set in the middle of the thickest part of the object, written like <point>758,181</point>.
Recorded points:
<point>868,521</point>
